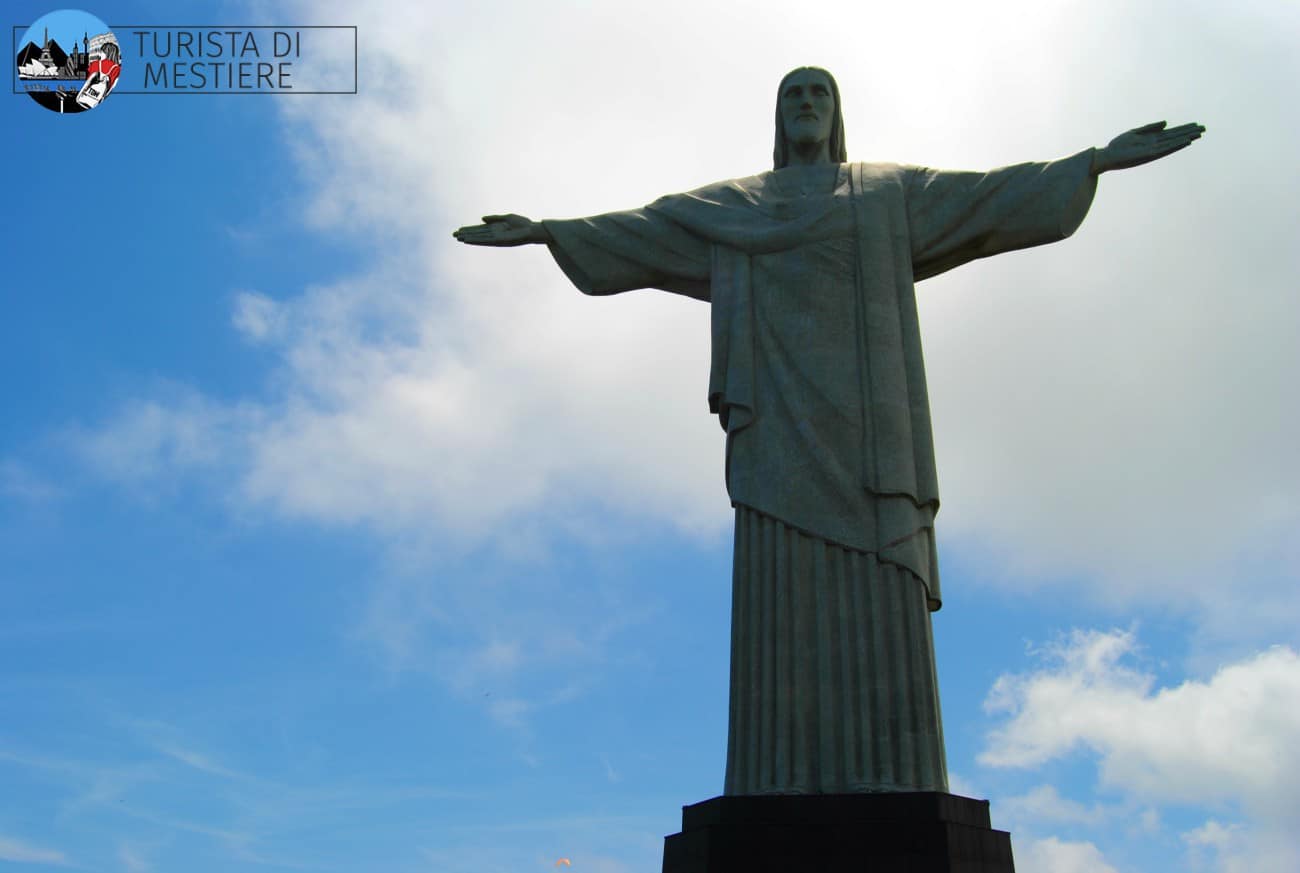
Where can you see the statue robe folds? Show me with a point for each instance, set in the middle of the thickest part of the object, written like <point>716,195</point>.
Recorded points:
<point>817,379</point>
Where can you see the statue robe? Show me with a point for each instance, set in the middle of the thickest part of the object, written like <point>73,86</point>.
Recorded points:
<point>817,379</point>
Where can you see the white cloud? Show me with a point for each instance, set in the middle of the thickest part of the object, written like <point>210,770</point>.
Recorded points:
<point>20,482</point>
<point>1215,847</point>
<point>256,316</point>
<point>20,852</point>
<point>198,761</point>
<point>513,641</point>
<point>1231,740</point>
<point>133,860</point>
<point>610,773</point>
<point>1052,855</point>
<point>149,441</point>
<point>1234,736</point>
<point>510,711</point>
<point>1045,804</point>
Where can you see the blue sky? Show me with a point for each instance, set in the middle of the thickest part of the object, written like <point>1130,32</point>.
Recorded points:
<point>327,543</point>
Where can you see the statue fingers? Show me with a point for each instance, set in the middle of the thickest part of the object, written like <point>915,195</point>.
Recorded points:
<point>1174,147</point>
<point>1153,127</point>
<point>477,234</point>
<point>511,219</point>
<point>1187,131</point>
<point>1174,143</point>
<point>1155,151</point>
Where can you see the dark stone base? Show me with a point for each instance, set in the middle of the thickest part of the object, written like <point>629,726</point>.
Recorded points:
<point>921,832</point>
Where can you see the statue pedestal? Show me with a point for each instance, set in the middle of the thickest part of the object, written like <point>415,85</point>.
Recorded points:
<point>921,832</point>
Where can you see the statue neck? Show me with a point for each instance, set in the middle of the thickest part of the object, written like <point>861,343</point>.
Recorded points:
<point>808,154</point>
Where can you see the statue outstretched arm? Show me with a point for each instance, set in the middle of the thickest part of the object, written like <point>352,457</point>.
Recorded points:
<point>1144,144</point>
<point>503,230</point>
<point>955,217</point>
<point>608,254</point>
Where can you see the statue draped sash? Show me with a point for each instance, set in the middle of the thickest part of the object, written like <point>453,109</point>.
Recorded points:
<point>906,224</point>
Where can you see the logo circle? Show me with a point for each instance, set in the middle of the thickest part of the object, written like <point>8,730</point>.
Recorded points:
<point>69,61</point>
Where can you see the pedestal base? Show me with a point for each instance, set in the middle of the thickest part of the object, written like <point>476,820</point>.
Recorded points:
<point>922,832</point>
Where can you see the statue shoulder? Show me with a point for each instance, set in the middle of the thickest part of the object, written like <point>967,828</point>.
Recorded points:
<point>726,192</point>
<point>748,192</point>
<point>738,186</point>
<point>884,171</point>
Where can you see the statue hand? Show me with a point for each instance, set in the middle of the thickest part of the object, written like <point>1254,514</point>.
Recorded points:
<point>1144,144</point>
<point>503,230</point>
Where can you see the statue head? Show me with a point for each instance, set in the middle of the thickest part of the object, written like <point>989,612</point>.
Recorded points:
<point>808,109</point>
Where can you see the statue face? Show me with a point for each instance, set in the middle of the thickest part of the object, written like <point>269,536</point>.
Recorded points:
<point>807,108</point>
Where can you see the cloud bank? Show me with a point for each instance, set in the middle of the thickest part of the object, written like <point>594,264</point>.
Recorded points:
<point>1229,742</point>
<point>1110,408</point>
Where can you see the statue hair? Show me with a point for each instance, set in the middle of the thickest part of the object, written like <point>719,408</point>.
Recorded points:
<point>781,153</point>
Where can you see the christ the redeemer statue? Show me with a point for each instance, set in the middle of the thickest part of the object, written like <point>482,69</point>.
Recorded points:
<point>817,380</point>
